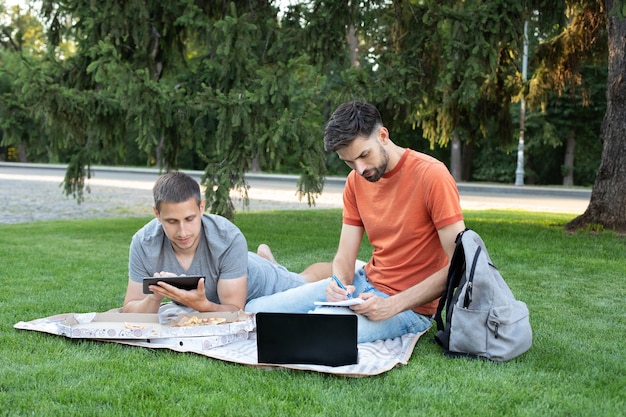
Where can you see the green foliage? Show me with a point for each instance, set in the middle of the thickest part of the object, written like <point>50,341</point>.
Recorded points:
<point>559,60</point>
<point>495,163</point>
<point>475,56</point>
<point>21,44</point>
<point>230,86</point>
<point>578,112</point>
<point>185,84</point>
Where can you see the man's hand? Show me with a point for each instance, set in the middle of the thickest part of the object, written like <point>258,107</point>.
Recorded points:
<point>375,308</point>
<point>335,293</point>
<point>195,299</point>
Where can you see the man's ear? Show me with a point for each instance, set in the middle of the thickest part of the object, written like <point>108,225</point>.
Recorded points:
<point>383,135</point>
<point>156,212</point>
<point>202,204</point>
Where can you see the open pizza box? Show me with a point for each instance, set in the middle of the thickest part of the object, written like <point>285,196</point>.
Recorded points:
<point>147,326</point>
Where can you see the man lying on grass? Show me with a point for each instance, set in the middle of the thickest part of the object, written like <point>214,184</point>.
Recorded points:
<point>409,205</point>
<point>182,240</point>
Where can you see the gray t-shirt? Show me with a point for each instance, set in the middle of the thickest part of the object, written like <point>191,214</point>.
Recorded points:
<point>222,254</point>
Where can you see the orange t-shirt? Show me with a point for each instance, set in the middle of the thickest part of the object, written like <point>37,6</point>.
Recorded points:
<point>401,214</point>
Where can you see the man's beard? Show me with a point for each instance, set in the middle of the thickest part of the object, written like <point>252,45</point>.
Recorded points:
<point>380,170</point>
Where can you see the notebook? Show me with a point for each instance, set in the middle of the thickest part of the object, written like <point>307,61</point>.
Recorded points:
<point>319,339</point>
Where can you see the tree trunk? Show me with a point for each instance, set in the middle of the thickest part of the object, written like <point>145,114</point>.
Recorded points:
<point>22,154</point>
<point>255,166</point>
<point>160,157</point>
<point>455,157</point>
<point>607,208</point>
<point>568,164</point>
<point>353,44</point>
<point>467,157</point>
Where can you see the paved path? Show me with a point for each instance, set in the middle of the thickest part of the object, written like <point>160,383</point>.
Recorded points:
<point>32,192</point>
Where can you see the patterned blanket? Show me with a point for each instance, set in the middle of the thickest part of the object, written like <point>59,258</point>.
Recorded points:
<point>374,358</point>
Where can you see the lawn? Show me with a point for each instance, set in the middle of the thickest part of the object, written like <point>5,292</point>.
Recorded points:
<point>574,286</point>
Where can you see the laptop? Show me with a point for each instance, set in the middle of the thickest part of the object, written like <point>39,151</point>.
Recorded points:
<point>319,339</point>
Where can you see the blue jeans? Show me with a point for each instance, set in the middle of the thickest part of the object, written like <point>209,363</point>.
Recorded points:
<point>301,300</point>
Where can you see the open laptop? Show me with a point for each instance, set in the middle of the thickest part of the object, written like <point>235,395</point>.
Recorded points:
<point>320,339</point>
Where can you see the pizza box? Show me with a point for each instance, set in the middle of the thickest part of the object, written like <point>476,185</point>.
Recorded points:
<point>197,343</point>
<point>235,322</point>
<point>147,326</point>
<point>110,326</point>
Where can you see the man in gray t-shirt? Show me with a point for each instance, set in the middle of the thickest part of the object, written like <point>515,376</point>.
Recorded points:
<point>182,240</point>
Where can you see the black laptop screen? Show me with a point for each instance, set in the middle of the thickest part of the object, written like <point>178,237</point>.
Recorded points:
<point>320,339</point>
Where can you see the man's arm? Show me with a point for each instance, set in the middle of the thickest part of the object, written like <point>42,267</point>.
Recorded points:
<point>429,289</point>
<point>138,302</point>
<point>343,263</point>
<point>231,292</point>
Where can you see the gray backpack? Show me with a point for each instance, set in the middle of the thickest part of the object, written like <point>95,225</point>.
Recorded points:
<point>483,318</point>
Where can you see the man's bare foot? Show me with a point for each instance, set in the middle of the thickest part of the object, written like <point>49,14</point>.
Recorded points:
<point>264,251</point>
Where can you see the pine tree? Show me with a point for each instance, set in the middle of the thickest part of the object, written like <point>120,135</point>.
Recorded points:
<point>183,80</point>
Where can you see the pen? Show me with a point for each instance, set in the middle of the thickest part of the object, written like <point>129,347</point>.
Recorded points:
<point>341,285</point>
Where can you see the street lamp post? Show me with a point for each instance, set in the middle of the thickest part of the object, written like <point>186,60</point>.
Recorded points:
<point>519,172</point>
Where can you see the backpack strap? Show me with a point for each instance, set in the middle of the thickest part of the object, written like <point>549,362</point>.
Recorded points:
<point>470,279</point>
<point>455,272</point>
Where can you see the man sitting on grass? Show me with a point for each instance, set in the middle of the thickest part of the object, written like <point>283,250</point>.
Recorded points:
<point>182,240</point>
<point>409,205</point>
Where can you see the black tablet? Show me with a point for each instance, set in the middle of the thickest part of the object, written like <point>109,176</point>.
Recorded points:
<point>184,282</point>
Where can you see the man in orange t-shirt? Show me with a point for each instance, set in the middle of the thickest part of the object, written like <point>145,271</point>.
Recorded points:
<point>409,206</point>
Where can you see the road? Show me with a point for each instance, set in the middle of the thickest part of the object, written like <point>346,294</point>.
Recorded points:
<point>32,192</point>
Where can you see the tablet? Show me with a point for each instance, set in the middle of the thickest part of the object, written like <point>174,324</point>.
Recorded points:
<point>184,282</point>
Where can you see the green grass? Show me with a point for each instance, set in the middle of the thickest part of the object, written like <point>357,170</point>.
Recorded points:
<point>574,286</point>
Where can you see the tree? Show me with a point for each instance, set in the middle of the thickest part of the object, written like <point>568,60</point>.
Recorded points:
<point>567,130</point>
<point>179,78</point>
<point>607,207</point>
<point>21,46</point>
<point>451,69</point>
<point>594,27</point>
<point>222,85</point>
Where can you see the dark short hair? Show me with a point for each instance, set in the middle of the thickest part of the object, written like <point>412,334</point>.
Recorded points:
<point>175,187</point>
<point>349,121</point>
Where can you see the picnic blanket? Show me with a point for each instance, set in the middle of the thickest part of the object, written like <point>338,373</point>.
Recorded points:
<point>374,358</point>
